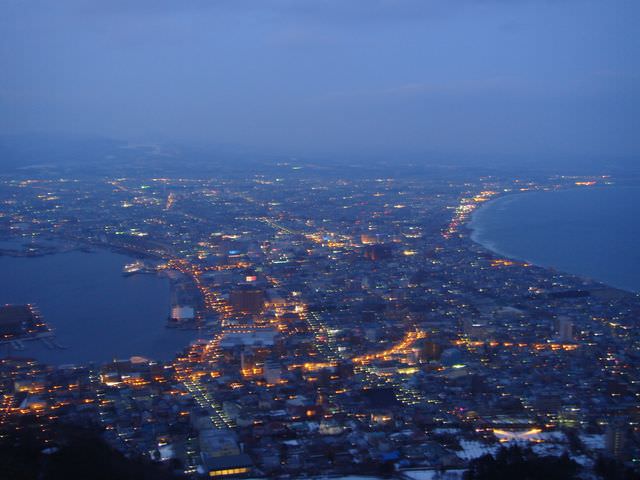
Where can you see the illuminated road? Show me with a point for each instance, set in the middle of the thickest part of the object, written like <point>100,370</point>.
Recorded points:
<point>371,379</point>
<point>205,401</point>
<point>279,227</point>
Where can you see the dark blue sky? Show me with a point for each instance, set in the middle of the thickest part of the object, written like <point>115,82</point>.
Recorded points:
<point>520,77</point>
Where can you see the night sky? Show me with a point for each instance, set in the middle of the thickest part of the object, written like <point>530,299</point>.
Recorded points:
<point>521,77</point>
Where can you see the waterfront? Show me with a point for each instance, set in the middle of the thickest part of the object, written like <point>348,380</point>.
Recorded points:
<point>590,232</point>
<point>97,313</point>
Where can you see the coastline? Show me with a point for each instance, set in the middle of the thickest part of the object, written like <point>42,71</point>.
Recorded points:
<point>475,230</point>
<point>477,233</point>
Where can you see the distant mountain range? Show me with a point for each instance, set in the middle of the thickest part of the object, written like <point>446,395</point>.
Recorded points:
<point>80,155</point>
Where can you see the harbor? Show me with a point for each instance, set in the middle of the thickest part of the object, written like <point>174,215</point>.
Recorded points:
<point>88,296</point>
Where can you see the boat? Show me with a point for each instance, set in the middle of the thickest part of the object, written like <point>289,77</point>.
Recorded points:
<point>136,267</point>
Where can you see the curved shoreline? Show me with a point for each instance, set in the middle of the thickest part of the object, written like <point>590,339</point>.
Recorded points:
<point>474,229</point>
<point>475,234</point>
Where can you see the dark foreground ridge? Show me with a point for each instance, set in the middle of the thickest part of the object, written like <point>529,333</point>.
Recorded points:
<point>73,453</point>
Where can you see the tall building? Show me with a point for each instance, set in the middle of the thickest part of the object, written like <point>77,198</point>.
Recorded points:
<point>247,299</point>
<point>616,439</point>
<point>565,329</point>
<point>430,350</point>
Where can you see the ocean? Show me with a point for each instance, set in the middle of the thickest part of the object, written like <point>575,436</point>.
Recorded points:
<point>591,232</point>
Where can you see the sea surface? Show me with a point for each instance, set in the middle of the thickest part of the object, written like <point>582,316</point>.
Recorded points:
<point>97,313</point>
<point>591,232</point>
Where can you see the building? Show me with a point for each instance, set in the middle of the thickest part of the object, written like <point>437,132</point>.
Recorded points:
<point>272,372</point>
<point>616,439</point>
<point>12,319</point>
<point>247,299</point>
<point>217,443</point>
<point>430,350</point>
<point>230,466</point>
<point>565,329</point>
<point>368,239</point>
<point>251,338</point>
<point>377,252</point>
<point>180,313</point>
<point>548,403</point>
